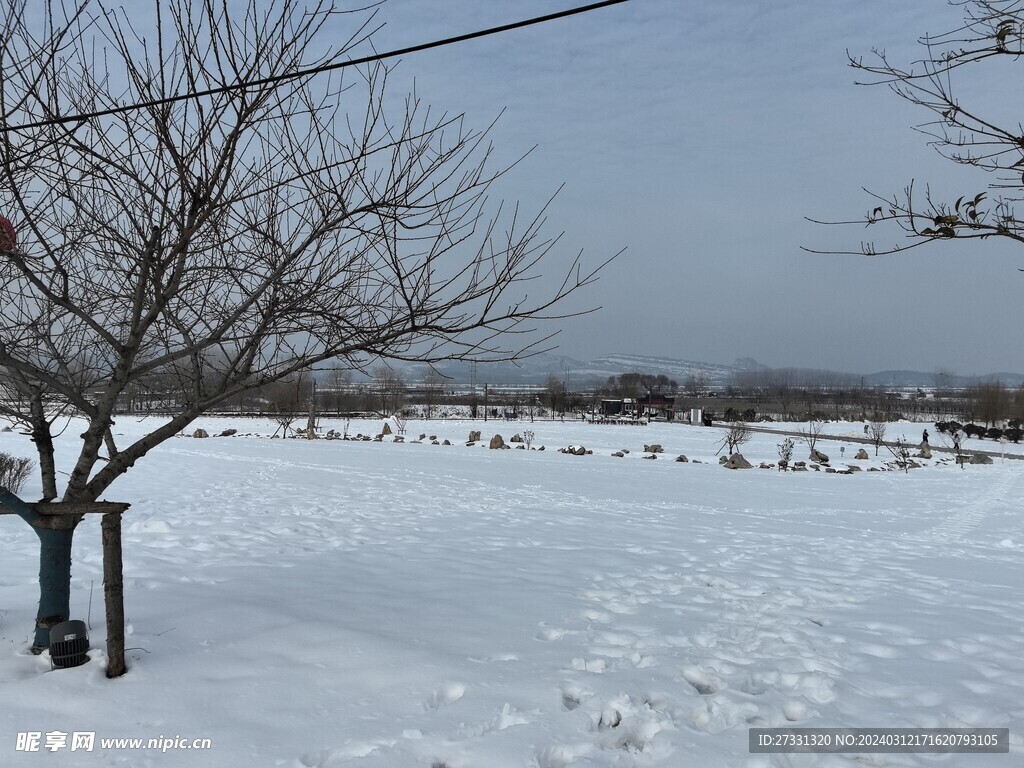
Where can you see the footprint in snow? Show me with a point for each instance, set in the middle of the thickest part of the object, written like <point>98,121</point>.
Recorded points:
<point>702,682</point>
<point>445,695</point>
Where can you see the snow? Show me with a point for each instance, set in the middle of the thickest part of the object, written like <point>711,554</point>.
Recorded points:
<point>311,604</point>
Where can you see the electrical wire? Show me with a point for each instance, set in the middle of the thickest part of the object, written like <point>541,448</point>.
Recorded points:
<point>83,116</point>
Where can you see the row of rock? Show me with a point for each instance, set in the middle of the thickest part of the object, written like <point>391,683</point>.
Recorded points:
<point>201,433</point>
<point>498,442</point>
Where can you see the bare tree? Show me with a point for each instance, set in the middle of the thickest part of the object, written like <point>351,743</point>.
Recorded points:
<point>876,431</point>
<point>556,395</point>
<point>237,238</point>
<point>961,127</point>
<point>697,384</point>
<point>388,389</point>
<point>736,435</point>
<point>283,401</point>
<point>810,435</point>
<point>990,402</point>
<point>338,396</point>
<point>433,388</point>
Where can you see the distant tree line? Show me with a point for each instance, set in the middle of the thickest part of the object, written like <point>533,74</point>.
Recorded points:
<point>788,394</point>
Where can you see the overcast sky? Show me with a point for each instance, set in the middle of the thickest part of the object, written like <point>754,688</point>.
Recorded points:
<point>699,136</point>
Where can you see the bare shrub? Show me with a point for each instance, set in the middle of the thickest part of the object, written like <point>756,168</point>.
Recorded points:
<point>14,471</point>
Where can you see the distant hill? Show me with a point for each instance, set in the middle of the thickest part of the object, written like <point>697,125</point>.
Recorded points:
<point>536,370</point>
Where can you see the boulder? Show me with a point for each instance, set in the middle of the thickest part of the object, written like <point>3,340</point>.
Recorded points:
<point>798,467</point>
<point>474,437</point>
<point>818,456</point>
<point>722,459</point>
<point>649,456</point>
<point>736,461</point>
<point>576,450</point>
<point>200,433</point>
<point>981,458</point>
<point>228,433</point>
<point>862,454</point>
<point>516,439</point>
<point>446,442</point>
<point>852,468</point>
<point>926,451</point>
<point>653,448</point>
<point>386,430</point>
<point>618,454</point>
<point>682,458</point>
<point>496,442</point>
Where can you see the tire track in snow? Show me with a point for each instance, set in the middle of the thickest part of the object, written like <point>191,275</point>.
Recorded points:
<point>954,528</point>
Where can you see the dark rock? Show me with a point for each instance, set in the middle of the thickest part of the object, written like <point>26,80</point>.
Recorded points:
<point>736,461</point>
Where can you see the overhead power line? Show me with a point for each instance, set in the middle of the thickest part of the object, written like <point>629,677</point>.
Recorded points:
<point>82,116</point>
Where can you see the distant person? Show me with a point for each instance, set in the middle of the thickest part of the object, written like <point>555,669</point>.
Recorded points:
<point>925,438</point>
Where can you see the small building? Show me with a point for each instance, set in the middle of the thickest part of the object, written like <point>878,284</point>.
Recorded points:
<point>657,407</point>
<point>625,407</point>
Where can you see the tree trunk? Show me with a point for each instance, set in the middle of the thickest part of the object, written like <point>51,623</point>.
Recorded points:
<point>56,534</point>
<point>113,593</point>
<point>54,582</point>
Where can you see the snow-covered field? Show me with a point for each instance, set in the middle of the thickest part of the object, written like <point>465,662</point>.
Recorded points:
<point>332,603</point>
